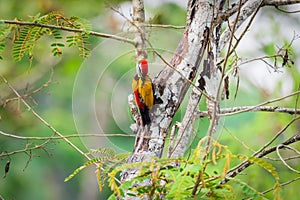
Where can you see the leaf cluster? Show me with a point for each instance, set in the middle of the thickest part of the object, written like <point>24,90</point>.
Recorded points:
<point>26,35</point>
<point>182,178</point>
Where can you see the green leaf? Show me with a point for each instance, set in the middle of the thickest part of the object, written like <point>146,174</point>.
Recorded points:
<point>57,44</point>
<point>82,167</point>
<point>267,166</point>
<point>269,49</point>
<point>112,197</point>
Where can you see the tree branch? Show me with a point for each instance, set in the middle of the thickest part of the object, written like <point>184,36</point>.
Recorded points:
<point>247,10</point>
<point>26,149</point>
<point>260,106</point>
<point>74,30</point>
<point>241,109</point>
<point>224,16</point>
<point>163,26</point>
<point>64,136</point>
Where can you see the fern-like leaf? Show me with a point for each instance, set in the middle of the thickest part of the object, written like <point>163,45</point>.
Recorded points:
<point>27,40</point>
<point>95,160</point>
<point>247,190</point>
<point>81,23</point>
<point>267,166</point>
<point>29,35</point>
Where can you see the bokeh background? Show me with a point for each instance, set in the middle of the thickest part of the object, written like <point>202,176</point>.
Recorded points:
<point>89,96</point>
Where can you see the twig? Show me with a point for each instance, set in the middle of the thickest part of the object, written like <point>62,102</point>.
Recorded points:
<point>287,158</point>
<point>65,136</point>
<point>276,136</point>
<point>296,101</point>
<point>246,28</point>
<point>282,184</point>
<point>26,149</point>
<point>32,92</point>
<point>224,16</point>
<point>249,8</point>
<point>163,26</point>
<point>285,11</point>
<point>259,107</point>
<point>242,109</point>
<point>237,110</point>
<point>172,145</point>
<point>240,141</point>
<point>279,2</point>
<point>283,160</point>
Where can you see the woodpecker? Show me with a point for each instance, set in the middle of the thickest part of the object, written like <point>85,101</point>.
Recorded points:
<point>143,90</point>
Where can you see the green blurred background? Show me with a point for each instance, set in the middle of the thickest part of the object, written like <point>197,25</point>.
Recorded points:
<point>40,174</point>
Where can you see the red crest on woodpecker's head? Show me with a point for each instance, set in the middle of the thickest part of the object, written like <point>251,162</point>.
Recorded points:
<point>144,67</point>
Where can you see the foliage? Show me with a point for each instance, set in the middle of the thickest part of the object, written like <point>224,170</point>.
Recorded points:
<point>25,36</point>
<point>194,178</point>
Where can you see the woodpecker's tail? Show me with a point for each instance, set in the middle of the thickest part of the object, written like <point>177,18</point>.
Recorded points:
<point>145,116</point>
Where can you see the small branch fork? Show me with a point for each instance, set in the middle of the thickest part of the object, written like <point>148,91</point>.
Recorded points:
<point>29,94</point>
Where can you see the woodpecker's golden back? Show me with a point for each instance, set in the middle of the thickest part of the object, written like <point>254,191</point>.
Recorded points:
<point>145,89</point>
